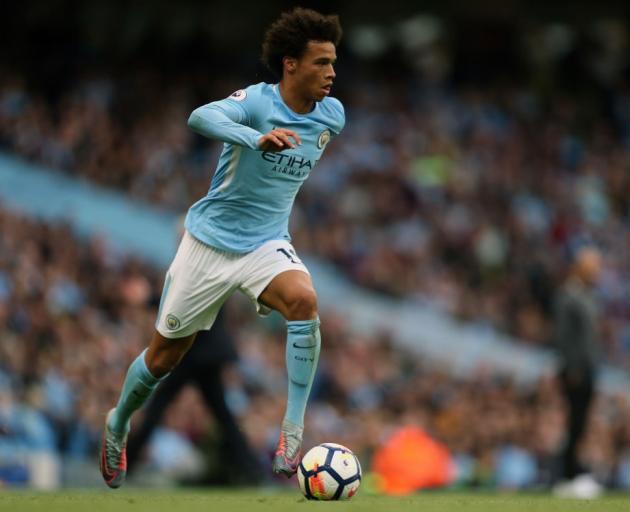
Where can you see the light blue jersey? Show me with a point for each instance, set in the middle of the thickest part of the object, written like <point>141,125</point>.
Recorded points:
<point>252,192</point>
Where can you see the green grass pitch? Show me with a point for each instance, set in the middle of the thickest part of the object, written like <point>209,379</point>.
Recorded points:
<point>261,500</point>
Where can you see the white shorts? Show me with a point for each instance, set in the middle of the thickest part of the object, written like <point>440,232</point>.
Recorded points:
<point>201,278</point>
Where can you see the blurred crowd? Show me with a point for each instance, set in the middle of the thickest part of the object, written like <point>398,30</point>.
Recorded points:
<point>469,198</point>
<point>74,313</point>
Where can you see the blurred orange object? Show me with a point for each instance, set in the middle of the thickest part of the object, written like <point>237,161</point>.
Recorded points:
<point>411,460</point>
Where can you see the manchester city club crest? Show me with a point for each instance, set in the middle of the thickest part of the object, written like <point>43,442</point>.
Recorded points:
<point>172,322</point>
<point>239,95</point>
<point>324,138</point>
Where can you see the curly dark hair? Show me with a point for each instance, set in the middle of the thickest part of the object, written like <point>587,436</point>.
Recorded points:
<point>289,35</point>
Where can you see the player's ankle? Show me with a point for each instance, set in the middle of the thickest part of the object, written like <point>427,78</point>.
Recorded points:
<point>292,425</point>
<point>116,426</point>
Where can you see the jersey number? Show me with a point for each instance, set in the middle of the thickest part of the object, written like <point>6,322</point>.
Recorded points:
<point>293,257</point>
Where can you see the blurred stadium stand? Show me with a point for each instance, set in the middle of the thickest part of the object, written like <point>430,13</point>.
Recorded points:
<point>482,141</point>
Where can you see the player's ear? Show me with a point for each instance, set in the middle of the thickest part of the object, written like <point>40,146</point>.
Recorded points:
<point>290,64</point>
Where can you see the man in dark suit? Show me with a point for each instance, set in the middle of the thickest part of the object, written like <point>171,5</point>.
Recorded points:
<point>576,335</point>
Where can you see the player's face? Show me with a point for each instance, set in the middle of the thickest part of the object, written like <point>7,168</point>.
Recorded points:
<point>314,72</point>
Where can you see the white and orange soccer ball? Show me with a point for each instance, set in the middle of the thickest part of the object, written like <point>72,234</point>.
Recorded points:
<point>329,471</point>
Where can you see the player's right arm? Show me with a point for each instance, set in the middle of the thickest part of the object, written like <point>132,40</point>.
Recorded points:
<point>228,120</point>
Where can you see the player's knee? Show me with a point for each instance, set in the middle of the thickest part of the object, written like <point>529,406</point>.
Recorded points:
<point>159,367</point>
<point>163,363</point>
<point>302,305</point>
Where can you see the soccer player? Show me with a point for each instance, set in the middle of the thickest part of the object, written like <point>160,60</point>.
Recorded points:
<point>237,236</point>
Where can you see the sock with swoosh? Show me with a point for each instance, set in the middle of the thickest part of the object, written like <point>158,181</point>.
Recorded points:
<point>302,355</point>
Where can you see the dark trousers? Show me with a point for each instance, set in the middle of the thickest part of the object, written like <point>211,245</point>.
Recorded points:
<point>578,390</point>
<point>207,378</point>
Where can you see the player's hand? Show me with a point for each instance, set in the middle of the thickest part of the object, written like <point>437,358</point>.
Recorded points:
<point>278,139</point>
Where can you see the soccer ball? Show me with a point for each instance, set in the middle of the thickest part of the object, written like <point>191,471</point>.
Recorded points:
<point>329,471</point>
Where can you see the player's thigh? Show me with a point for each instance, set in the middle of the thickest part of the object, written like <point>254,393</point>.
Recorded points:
<point>277,279</point>
<point>289,291</point>
<point>197,284</point>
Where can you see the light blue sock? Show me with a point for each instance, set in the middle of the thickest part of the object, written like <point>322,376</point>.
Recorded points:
<point>302,355</point>
<point>138,387</point>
